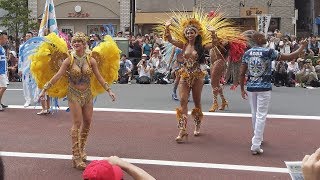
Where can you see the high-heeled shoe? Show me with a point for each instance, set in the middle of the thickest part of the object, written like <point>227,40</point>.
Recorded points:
<point>197,115</point>
<point>214,107</point>
<point>183,135</point>
<point>44,112</point>
<point>182,125</point>
<point>83,140</point>
<point>224,104</point>
<point>77,161</point>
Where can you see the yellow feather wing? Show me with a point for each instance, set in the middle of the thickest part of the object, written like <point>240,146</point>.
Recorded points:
<point>45,63</point>
<point>107,55</point>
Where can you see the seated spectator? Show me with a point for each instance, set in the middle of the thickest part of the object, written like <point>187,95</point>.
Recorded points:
<point>311,166</point>
<point>13,66</point>
<point>144,71</point>
<point>280,75</point>
<point>307,74</point>
<point>125,71</point>
<point>292,70</point>
<point>156,55</point>
<point>111,169</point>
<point>161,71</point>
<point>317,68</point>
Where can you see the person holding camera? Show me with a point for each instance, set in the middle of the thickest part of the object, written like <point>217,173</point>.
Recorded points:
<point>144,71</point>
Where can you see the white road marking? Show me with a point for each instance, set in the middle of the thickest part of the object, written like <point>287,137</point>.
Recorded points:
<point>153,162</point>
<point>14,89</point>
<point>317,118</point>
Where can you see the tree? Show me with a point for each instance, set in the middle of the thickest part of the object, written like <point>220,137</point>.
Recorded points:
<point>18,19</point>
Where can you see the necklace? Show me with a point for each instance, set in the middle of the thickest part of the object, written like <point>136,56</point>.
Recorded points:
<point>80,60</point>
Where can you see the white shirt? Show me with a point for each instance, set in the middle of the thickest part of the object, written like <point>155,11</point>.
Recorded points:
<point>143,72</point>
<point>293,67</point>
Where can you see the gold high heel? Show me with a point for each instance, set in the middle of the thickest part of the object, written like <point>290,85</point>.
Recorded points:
<point>182,125</point>
<point>76,157</point>
<point>224,104</point>
<point>182,135</point>
<point>214,106</point>
<point>197,115</point>
<point>83,141</point>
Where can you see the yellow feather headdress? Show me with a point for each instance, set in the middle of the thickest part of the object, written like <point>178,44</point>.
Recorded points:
<point>200,20</point>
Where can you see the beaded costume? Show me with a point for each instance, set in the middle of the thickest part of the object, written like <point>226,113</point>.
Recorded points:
<point>47,59</point>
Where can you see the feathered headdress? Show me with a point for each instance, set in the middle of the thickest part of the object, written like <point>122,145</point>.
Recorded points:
<point>223,27</point>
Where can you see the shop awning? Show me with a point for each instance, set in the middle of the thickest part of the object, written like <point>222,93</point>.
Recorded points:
<point>151,18</point>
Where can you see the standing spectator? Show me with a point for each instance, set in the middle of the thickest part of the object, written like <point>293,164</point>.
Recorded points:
<point>313,46</point>
<point>25,76</point>
<point>257,61</point>
<point>3,67</point>
<point>13,66</point>
<point>125,71</point>
<point>120,34</point>
<point>96,40</point>
<point>146,48</point>
<point>136,46</point>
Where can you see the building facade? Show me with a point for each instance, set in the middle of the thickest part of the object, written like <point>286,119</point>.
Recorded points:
<point>243,12</point>
<point>90,16</point>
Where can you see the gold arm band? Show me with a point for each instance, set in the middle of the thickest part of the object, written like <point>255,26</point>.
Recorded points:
<point>47,86</point>
<point>106,87</point>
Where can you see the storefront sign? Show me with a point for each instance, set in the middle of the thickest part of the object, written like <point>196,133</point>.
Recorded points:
<point>78,15</point>
<point>252,11</point>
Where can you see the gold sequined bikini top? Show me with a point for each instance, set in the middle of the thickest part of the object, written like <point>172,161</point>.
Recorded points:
<point>80,69</point>
<point>190,63</point>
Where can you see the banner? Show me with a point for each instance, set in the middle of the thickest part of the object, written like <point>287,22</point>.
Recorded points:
<point>48,22</point>
<point>263,23</point>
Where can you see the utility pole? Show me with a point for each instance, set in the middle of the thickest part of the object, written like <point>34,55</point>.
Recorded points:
<point>132,15</point>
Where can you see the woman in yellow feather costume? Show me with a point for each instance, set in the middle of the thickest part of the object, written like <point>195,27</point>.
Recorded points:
<point>80,75</point>
<point>194,33</point>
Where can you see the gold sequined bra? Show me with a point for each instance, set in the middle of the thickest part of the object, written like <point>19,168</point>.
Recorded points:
<point>80,70</point>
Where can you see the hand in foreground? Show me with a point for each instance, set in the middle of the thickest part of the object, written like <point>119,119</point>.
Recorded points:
<point>211,29</point>
<point>244,94</point>
<point>112,95</point>
<point>115,160</point>
<point>168,23</point>
<point>304,43</point>
<point>311,166</point>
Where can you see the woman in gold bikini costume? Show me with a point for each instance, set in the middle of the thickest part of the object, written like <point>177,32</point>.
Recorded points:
<point>80,68</point>
<point>194,34</point>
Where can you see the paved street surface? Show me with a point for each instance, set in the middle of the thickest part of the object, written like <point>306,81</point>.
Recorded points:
<point>142,128</point>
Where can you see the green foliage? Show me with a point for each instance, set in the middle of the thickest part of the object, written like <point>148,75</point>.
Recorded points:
<point>18,19</point>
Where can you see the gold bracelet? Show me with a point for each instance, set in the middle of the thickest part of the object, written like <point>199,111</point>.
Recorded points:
<point>47,86</point>
<point>106,87</point>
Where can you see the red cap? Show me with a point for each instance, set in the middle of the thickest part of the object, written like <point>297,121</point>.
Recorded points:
<point>102,170</point>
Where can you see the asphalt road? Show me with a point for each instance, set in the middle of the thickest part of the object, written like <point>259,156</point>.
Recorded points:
<point>285,101</point>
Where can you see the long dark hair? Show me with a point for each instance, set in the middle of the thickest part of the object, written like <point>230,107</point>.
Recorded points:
<point>200,49</point>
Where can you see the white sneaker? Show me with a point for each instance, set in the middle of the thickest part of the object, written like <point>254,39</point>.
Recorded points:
<point>1,108</point>
<point>27,104</point>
